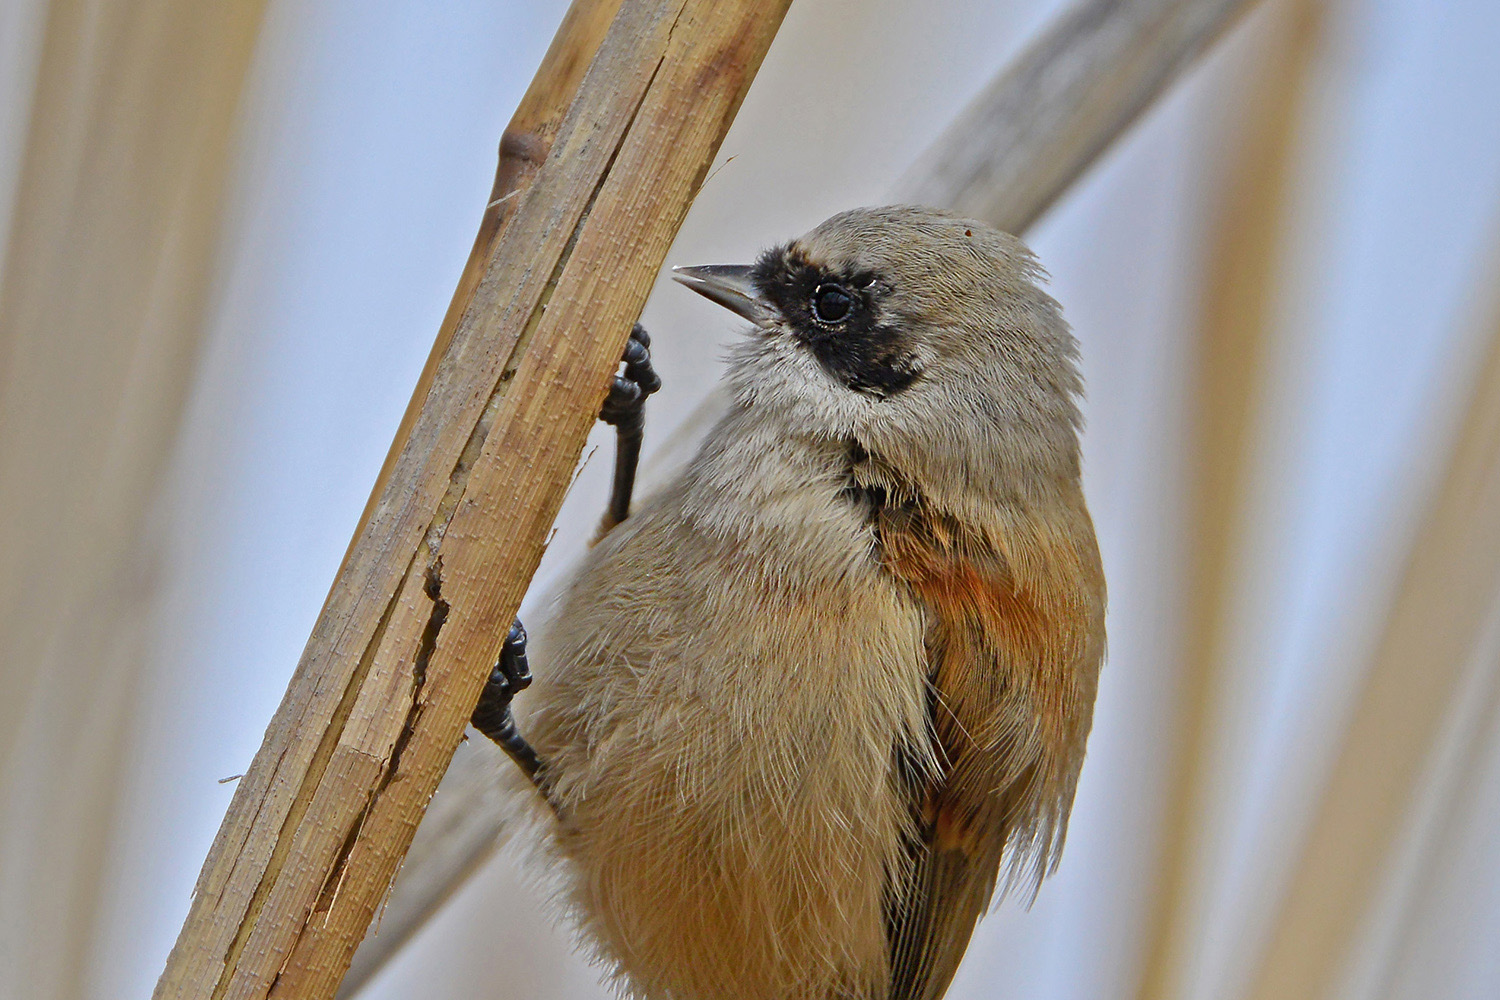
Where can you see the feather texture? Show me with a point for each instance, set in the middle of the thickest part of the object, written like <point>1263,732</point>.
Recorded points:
<point>804,711</point>
<point>1014,628</point>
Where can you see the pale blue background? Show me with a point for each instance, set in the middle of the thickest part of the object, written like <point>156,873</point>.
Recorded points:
<point>367,153</point>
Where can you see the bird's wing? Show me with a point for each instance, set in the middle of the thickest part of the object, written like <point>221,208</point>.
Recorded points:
<point>932,914</point>
<point>1004,702</point>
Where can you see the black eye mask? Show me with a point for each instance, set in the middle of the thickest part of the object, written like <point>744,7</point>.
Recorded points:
<point>834,314</point>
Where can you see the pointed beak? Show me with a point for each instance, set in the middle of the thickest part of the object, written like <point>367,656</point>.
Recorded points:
<point>731,286</point>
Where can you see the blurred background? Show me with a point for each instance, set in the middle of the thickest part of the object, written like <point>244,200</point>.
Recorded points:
<point>230,232</point>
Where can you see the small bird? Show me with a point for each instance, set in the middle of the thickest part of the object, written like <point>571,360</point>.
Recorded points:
<point>807,707</point>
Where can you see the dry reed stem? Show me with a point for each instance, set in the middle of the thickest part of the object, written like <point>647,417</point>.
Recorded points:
<point>414,620</point>
<point>1441,609</point>
<point>1235,329</point>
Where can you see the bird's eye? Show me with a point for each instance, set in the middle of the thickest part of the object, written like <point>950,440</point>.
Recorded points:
<point>831,304</point>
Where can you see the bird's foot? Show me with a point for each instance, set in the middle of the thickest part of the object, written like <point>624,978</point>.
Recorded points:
<point>493,716</point>
<point>626,402</point>
<point>625,410</point>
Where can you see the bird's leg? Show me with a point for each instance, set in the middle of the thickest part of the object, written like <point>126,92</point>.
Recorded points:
<point>493,716</point>
<point>624,409</point>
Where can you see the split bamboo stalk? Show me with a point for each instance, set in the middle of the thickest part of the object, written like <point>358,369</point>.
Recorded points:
<point>524,146</point>
<point>442,558</point>
<point>1012,153</point>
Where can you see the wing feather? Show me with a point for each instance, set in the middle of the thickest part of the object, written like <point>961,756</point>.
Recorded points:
<point>1014,660</point>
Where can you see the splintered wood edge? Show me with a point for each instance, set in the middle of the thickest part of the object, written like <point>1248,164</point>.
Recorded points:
<point>524,147</point>
<point>379,700</point>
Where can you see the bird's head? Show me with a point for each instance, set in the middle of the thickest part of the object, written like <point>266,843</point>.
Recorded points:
<point>918,335</point>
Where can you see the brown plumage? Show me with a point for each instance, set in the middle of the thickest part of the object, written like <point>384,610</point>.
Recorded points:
<point>1009,715</point>
<point>802,712</point>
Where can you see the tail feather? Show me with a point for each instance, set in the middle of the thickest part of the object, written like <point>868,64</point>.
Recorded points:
<point>932,920</point>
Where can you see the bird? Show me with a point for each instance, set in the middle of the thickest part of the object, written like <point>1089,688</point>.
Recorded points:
<point>814,704</point>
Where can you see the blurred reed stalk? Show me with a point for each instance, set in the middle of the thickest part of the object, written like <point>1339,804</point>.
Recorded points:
<point>1244,252</point>
<point>459,518</point>
<point>1033,131</point>
<point>1444,604</point>
<point>108,265</point>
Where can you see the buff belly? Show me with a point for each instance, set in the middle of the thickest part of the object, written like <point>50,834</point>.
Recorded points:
<point>729,818</point>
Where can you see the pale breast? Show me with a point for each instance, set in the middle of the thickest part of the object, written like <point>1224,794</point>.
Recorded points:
<point>726,693</point>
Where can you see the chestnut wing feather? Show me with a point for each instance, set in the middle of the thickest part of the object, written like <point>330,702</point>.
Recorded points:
<point>1003,717</point>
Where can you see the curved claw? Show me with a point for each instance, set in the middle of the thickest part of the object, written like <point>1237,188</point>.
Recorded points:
<point>625,410</point>
<point>513,661</point>
<point>627,395</point>
<point>492,716</point>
